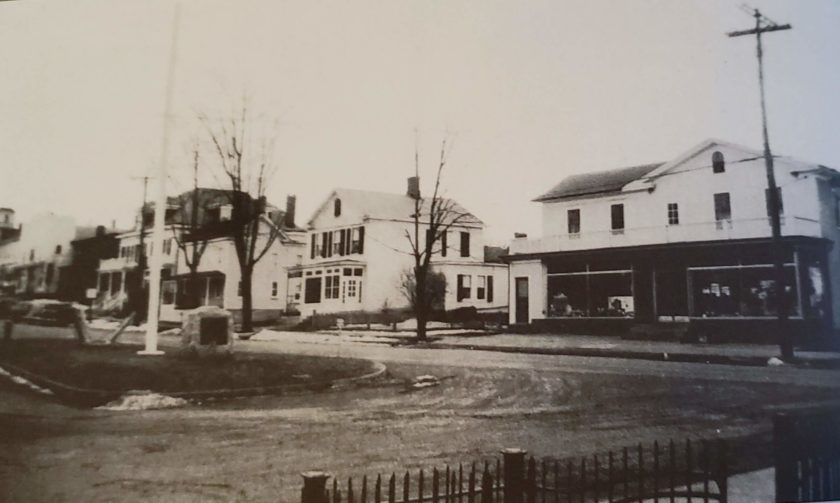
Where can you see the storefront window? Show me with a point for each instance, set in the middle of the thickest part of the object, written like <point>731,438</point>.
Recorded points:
<point>611,294</point>
<point>741,291</point>
<point>601,294</point>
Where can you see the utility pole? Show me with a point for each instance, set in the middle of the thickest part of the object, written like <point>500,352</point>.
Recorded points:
<point>137,285</point>
<point>765,25</point>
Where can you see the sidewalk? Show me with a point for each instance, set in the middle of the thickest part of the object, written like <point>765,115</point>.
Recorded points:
<point>602,346</point>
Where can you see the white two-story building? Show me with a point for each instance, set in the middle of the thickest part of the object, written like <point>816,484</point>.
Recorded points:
<point>358,253</point>
<point>218,272</point>
<point>687,240</point>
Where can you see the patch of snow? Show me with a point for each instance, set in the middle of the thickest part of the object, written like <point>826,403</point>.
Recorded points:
<point>267,335</point>
<point>103,324</point>
<point>136,328</point>
<point>411,324</point>
<point>143,400</point>
<point>598,345</point>
<point>425,381</point>
<point>775,362</point>
<point>23,382</point>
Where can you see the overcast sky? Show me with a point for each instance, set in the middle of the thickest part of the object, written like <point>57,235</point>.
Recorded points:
<point>527,92</point>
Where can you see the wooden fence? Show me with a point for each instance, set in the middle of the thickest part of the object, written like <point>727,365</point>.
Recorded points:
<point>688,471</point>
<point>807,454</point>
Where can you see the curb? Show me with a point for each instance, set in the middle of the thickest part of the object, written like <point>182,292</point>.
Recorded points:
<point>745,361</point>
<point>346,381</point>
<point>86,397</point>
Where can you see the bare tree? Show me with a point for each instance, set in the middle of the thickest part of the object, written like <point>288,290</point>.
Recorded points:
<point>247,171</point>
<point>189,235</point>
<point>436,216</point>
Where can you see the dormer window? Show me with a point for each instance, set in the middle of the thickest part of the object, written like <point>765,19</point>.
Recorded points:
<point>718,163</point>
<point>337,207</point>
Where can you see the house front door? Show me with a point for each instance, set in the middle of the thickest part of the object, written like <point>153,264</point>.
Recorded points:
<point>312,294</point>
<point>522,300</point>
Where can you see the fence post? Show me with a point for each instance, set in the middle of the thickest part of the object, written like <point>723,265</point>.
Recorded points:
<point>314,487</point>
<point>514,472</point>
<point>783,438</point>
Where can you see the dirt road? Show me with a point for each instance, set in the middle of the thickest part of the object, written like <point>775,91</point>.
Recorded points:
<point>254,449</point>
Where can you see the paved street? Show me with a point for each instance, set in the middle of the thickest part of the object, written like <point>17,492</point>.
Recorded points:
<point>254,449</point>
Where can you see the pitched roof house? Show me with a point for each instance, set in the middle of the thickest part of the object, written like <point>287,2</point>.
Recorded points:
<point>679,241</point>
<point>358,251</point>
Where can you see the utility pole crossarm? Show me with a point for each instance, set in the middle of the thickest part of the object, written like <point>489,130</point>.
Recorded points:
<point>755,31</point>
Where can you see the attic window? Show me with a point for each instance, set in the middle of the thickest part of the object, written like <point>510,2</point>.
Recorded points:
<point>337,207</point>
<point>718,164</point>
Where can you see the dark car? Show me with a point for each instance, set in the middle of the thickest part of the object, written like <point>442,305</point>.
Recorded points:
<point>43,312</point>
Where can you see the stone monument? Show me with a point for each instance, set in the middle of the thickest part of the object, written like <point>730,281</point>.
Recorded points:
<point>207,330</point>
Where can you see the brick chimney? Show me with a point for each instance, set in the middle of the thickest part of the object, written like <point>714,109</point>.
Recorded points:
<point>289,217</point>
<point>413,190</point>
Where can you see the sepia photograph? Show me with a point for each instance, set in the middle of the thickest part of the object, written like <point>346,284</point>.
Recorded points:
<point>419,251</point>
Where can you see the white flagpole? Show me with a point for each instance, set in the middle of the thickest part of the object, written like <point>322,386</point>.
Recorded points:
<point>156,259</point>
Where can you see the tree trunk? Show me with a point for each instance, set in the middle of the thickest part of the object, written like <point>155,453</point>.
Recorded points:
<point>247,302</point>
<point>420,303</point>
<point>194,295</point>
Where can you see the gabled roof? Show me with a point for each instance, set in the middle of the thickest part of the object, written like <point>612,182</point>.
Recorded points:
<point>389,206</point>
<point>697,150</point>
<point>600,182</point>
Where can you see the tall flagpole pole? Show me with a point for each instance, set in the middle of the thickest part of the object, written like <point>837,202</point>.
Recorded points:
<point>156,259</point>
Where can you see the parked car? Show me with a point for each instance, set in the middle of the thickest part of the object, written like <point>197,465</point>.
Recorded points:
<point>45,312</point>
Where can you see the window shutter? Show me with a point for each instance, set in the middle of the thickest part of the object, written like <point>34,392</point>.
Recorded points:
<point>342,242</point>
<point>314,245</point>
<point>329,244</point>
<point>460,287</point>
<point>443,243</point>
<point>489,288</point>
<point>361,240</point>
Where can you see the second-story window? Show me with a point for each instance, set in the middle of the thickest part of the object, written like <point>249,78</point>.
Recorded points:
<point>617,217</point>
<point>465,244</point>
<point>673,214</point>
<point>718,163</point>
<point>722,209</point>
<point>337,242</point>
<point>573,221</point>
<point>358,243</point>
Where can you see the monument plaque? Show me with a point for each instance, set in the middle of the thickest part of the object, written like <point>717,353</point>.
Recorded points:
<point>207,330</point>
